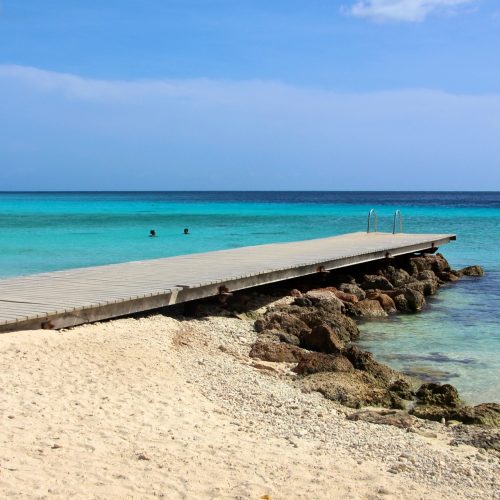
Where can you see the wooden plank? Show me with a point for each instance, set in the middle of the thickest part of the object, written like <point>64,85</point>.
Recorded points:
<point>107,291</point>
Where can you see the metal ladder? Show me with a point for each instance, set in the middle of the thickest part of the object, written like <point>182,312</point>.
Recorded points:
<point>396,224</point>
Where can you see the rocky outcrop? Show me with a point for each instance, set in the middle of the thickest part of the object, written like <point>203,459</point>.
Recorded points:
<point>322,338</point>
<point>437,394</point>
<point>396,418</point>
<point>315,362</point>
<point>315,333</point>
<point>276,352</point>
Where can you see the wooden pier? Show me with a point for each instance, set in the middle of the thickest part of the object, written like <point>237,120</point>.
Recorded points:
<point>68,298</point>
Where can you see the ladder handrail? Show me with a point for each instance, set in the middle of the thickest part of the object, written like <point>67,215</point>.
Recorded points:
<point>397,215</point>
<point>375,220</point>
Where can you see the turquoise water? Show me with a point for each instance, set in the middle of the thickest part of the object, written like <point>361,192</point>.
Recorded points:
<point>458,336</point>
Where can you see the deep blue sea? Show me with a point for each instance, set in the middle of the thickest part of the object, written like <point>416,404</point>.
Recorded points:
<point>456,339</point>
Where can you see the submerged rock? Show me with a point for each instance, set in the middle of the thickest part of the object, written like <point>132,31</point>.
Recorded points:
<point>471,271</point>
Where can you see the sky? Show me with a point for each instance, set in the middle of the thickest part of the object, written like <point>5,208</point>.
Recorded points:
<point>250,94</point>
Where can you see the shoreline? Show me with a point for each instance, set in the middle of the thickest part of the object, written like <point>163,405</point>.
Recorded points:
<point>178,405</point>
<point>175,408</point>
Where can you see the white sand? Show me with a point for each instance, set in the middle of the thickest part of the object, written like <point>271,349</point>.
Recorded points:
<point>154,407</point>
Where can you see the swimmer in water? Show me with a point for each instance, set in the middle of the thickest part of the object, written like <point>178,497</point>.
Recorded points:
<point>152,233</point>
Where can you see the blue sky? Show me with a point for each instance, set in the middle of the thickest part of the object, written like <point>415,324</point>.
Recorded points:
<point>317,94</point>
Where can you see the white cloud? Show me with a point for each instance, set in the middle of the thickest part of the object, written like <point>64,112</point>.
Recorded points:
<point>214,134</point>
<point>403,10</point>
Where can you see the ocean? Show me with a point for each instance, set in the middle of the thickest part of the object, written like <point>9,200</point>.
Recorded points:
<point>455,340</point>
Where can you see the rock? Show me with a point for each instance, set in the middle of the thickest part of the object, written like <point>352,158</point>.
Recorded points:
<point>345,327</point>
<point>402,389</point>
<point>384,300</point>
<point>276,352</point>
<point>376,282</point>
<point>322,338</point>
<point>270,336</point>
<point>315,362</point>
<point>437,394</point>
<point>346,297</point>
<point>353,289</point>
<point>363,360</point>
<point>448,276</point>
<point>427,275</point>
<point>484,414</point>
<point>480,437</point>
<point>425,287</point>
<point>353,389</point>
<point>438,263</point>
<point>295,293</point>
<point>415,300</point>
<point>398,277</point>
<point>396,418</point>
<point>288,338</point>
<point>472,271</point>
<point>401,303</point>
<point>282,321</point>
<point>367,309</point>
<point>427,412</point>
<point>321,297</point>
<point>302,302</point>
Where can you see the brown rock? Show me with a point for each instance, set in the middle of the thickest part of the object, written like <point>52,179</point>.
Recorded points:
<point>276,352</point>
<point>376,282</point>
<point>315,362</point>
<point>384,300</point>
<point>396,418</point>
<point>398,277</point>
<point>472,271</point>
<point>321,297</point>
<point>363,360</point>
<point>367,309</point>
<point>437,394</point>
<point>353,389</point>
<point>353,289</point>
<point>295,293</point>
<point>346,297</point>
<point>322,338</point>
<point>484,414</point>
<point>414,299</point>
<point>281,320</point>
<point>345,327</point>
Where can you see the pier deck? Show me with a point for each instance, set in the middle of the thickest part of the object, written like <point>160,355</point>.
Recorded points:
<point>68,298</point>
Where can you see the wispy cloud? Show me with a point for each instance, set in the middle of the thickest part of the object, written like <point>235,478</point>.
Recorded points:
<point>403,10</point>
<point>214,134</point>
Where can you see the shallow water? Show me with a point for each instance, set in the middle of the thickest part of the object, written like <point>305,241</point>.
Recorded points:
<point>457,337</point>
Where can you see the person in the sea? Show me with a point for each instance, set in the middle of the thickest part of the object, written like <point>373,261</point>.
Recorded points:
<point>152,233</point>
<point>186,230</point>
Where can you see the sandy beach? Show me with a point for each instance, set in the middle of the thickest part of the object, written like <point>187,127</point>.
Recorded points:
<point>173,408</point>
